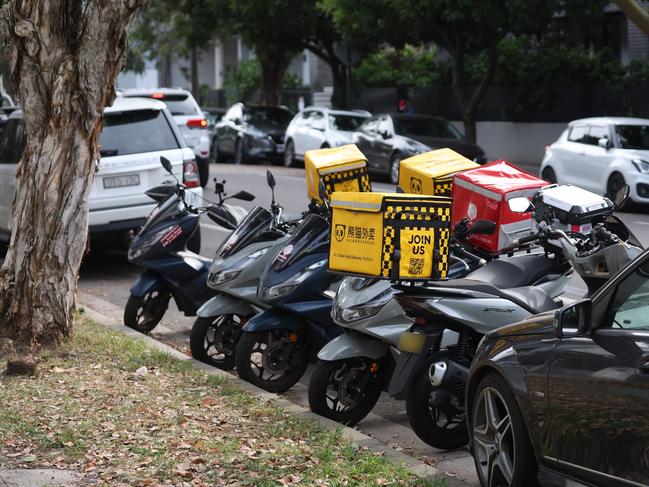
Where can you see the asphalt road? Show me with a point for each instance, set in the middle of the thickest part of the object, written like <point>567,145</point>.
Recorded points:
<point>107,275</point>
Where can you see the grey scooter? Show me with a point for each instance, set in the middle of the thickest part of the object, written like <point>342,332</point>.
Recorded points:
<point>235,273</point>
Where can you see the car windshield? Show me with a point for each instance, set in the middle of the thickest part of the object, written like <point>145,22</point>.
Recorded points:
<point>426,127</point>
<point>276,116</point>
<point>633,136</point>
<point>347,123</point>
<point>136,131</point>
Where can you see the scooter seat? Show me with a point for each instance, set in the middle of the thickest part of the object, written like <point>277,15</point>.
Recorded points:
<point>531,298</point>
<point>513,272</point>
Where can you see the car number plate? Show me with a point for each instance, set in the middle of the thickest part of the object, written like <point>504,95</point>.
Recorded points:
<point>122,181</point>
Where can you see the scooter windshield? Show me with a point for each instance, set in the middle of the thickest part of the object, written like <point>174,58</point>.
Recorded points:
<point>166,210</point>
<point>311,236</point>
<point>256,221</point>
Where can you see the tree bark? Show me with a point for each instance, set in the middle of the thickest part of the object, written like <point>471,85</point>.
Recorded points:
<point>340,97</point>
<point>64,57</point>
<point>272,77</point>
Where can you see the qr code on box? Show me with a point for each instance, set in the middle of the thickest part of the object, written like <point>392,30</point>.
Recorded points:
<point>416,266</point>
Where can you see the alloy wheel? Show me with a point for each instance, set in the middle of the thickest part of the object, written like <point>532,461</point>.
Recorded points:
<point>493,439</point>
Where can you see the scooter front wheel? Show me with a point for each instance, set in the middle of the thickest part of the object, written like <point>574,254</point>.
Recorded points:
<point>273,360</point>
<point>143,313</point>
<point>214,340</point>
<point>345,390</point>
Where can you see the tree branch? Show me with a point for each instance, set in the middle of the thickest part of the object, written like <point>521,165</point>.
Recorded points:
<point>636,14</point>
<point>487,77</point>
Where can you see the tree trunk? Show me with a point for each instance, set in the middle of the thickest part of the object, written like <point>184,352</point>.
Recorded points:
<point>340,97</point>
<point>272,77</point>
<point>64,58</point>
<point>635,13</point>
<point>194,72</point>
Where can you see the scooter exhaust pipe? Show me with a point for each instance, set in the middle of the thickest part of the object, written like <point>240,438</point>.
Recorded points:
<point>449,375</point>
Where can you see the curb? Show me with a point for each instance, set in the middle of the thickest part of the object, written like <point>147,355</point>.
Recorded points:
<point>417,467</point>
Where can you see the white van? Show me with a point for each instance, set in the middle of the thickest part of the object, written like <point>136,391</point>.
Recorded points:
<point>135,134</point>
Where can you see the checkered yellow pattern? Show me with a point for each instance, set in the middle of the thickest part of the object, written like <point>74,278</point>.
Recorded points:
<point>443,187</point>
<point>331,180</point>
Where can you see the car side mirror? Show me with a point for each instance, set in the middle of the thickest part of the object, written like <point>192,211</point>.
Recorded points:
<point>319,125</point>
<point>520,205</point>
<point>482,227</point>
<point>604,143</point>
<point>574,319</point>
<point>166,164</point>
<point>270,179</point>
<point>385,134</point>
<point>243,195</point>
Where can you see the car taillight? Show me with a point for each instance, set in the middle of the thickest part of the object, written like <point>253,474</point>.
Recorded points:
<point>190,174</point>
<point>197,123</point>
<point>158,96</point>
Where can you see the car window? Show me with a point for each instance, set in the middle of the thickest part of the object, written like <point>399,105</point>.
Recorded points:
<point>596,132</point>
<point>264,115</point>
<point>136,131</point>
<point>318,121</point>
<point>578,133</point>
<point>346,123</point>
<point>426,127</point>
<point>6,143</point>
<point>633,136</point>
<point>630,305</point>
<point>180,104</point>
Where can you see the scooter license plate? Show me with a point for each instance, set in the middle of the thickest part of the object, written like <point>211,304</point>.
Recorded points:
<point>411,342</point>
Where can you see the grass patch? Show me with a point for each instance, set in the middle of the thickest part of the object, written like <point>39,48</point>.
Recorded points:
<point>90,411</point>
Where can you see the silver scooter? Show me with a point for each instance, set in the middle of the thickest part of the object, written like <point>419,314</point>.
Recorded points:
<point>353,368</point>
<point>234,273</point>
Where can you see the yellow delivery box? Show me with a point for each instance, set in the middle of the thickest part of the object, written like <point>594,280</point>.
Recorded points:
<point>432,172</point>
<point>390,235</point>
<point>341,168</point>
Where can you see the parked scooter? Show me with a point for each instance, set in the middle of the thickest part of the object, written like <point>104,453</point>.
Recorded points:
<point>234,275</point>
<point>355,367</point>
<point>278,343</point>
<point>171,270</point>
<point>432,373</point>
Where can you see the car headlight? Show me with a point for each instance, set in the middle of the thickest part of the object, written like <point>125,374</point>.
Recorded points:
<point>142,247</point>
<point>232,272</point>
<point>359,312</point>
<point>641,165</point>
<point>286,287</point>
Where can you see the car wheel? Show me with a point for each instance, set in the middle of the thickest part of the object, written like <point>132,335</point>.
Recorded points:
<point>214,340</point>
<point>273,360</point>
<point>240,152</point>
<point>203,171</point>
<point>549,175</point>
<point>289,154</point>
<point>344,390</point>
<point>394,168</point>
<point>143,313</point>
<point>501,446</point>
<point>615,183</point>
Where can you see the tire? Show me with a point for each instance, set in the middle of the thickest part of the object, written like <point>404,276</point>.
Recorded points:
<point>513,447</point>
<point>359,403</point>
<point>240,152</point>
<point>614,184</point>
<point>194,242</point>
<point>289,154</point>
<point>442,426</point>
<point>144,313</point>
<point>214,340</point>
<point>394,169</point>
<point>549,175</point>
<point>259,351</point>
<point>203,171</point>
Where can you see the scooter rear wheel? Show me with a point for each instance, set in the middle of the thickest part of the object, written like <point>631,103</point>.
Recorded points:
<point>344,390</point>
<point>273,360</point>
<point>143,313</point>
<point>214,340</point>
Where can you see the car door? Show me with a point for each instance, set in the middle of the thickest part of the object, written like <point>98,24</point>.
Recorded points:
<point>571,156</point>
<point>364,139</point>
<point>598,389</point>
<point>7,174</point>
<point>315,134</point>
<point>596,159</point>
<point>227,132</point>
<point>384,143</point>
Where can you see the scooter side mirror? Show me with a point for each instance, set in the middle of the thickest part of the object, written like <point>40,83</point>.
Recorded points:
<point>621,196</point>
<point>159,193</point>
<point>166,163</point>
<point>520,205</point>
<point>482,227</point>
<point>270,179</point>
<point>243,195</point>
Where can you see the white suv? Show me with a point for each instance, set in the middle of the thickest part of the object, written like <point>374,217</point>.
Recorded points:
<point>189,118</point>
<point>135,134</point>
<point>319,127</point>
<point>601,155</point>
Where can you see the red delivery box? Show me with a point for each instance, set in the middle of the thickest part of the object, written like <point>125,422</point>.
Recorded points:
<point>482,194</point>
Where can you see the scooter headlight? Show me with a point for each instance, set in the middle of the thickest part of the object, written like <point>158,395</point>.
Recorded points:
<point>169,233</point>
<point>284,288</point>
<point>231,273</point>
<point>359,312</point>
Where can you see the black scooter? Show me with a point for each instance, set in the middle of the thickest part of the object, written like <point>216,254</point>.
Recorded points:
<point>161,247</point>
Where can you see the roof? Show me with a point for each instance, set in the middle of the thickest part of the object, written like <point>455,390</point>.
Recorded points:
<point>147,92</point>
<point>119,105</point>
<point>350,113</point>
<point>412,116</point>
<point>613,120</point>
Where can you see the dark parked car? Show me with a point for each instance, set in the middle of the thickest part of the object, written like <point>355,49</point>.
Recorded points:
<point>251,132</point>
<point>565,395</point>
<point>387,138</point>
